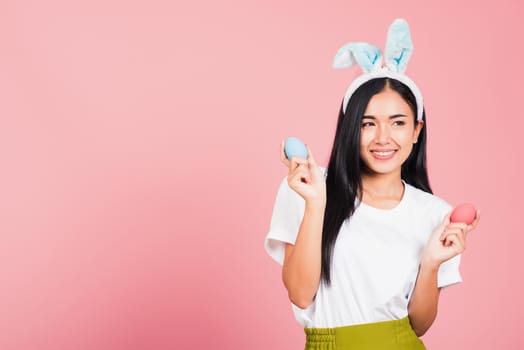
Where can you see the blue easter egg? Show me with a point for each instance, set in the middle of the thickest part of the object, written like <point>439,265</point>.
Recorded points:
<point>294,147</point>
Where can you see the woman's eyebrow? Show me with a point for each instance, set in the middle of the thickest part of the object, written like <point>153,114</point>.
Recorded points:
<point>390,117</point>
<point>397,116</point>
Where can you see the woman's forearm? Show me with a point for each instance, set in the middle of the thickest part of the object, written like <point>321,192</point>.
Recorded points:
<point>301,270</point>
<point>422,308</point>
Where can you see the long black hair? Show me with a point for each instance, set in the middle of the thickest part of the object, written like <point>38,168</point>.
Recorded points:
<point>344,179</point>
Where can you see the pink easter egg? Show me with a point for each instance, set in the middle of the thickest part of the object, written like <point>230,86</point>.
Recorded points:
<point>465,213</point>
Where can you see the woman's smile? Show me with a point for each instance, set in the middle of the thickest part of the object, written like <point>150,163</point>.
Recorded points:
<point>383,154</point>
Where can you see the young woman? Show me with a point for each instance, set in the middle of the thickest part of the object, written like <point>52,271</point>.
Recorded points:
<point>365,246</point>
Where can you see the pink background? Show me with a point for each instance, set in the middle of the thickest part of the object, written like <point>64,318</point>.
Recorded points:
<point>139,150</point>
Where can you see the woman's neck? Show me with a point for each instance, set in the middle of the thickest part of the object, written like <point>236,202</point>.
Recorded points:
<point>382,190</point>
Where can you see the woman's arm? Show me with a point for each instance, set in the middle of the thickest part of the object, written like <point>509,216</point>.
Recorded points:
<point>422,308</point>
<point>446,241</point>
<point>302,261</point>
<point>301,269</point>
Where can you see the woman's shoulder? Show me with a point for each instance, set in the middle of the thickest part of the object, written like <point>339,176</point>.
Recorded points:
<point>427,200</point>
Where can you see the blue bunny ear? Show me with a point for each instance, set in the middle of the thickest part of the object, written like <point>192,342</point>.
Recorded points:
<point>398,45</point>
<point>366,55</point>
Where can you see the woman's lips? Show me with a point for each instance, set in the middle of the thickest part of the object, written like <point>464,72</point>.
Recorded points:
<point>383,155</point>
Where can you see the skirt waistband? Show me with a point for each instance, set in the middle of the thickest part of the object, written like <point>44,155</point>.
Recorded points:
<point>387,335</point>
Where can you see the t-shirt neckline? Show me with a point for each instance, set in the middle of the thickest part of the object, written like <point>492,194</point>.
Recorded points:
<point>397,207</point>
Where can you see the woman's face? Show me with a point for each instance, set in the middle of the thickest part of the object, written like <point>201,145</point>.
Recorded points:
<point>387,133</point>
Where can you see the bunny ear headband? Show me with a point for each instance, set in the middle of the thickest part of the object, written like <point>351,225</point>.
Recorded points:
<point>369,58</point>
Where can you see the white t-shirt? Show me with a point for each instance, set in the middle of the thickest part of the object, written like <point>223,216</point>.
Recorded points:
<point>375,259</point>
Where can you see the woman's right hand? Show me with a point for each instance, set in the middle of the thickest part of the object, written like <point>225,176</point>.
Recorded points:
<point>305,177</point>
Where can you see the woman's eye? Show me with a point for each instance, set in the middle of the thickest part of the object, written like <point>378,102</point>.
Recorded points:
<point>367,124</point>
<point>399,122</point>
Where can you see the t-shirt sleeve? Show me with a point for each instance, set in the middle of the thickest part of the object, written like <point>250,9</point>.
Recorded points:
<point>448,272</point>
<point>288,212</point>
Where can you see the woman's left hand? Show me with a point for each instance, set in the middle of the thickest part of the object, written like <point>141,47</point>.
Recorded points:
<point>447,241</point>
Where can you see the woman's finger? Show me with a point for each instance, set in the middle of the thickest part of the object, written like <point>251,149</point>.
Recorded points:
<point>300,174</point>
<point>310,157</point>
<point>296,162</point>
<point>457,232</point>
<point>462,239</point>
<point>283,157</point>
<point>304,175</point>
<point>454,240</point>
<point>475,222</point>
<point>447,219</point>
<point>298,169</point>
<point>460,225</point>
<point>456,229</point>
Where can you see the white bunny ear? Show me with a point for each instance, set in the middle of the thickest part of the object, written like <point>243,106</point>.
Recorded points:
<point>398,45</point>
<point>366,55</point>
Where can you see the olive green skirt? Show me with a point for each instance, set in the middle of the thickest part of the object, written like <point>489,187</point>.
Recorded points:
<point>387,335</point>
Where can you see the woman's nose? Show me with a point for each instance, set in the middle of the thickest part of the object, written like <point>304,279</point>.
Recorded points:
<point>383,134</point>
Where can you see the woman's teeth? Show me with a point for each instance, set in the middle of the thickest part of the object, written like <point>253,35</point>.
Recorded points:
<point>384,154</point>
